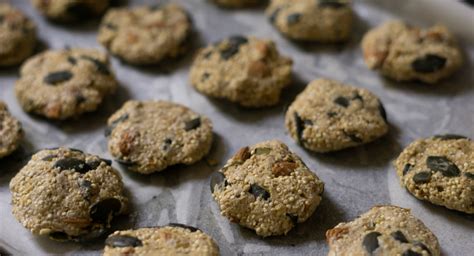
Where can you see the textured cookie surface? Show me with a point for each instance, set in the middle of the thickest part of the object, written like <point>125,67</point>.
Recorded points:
<point>70,10</point>
<point>245,70</point>
<point>237,3</point>
<point>67,194</point>
<point>149,136</point>
<point>11,132</point>
<point>383,230</point>
<point>329,116</point>
<point>404,52</point>
<point>145,34</point>
<point>17,36</point>
<point>62,84</point>
<point>174,239</point>
<point>440,170</point>
<point>266,188</point>
<point>312,20</point>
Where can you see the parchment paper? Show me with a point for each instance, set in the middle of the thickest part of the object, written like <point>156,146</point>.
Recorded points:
<point>356,179</point>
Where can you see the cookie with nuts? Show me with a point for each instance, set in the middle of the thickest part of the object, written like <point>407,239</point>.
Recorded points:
<point>70,10</point>
<point>11,132</point>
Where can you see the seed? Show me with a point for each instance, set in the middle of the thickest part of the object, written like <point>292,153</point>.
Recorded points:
<point>102,211</point>
<point>353,137</point>
<point>331,4</point>
<point>428,63</point>
<point>283,168</point>
<point>274,15</point>
<point>217,179</point>
<point>55,78</point>
<point>423,246</point>
<point>299,127</point>
<point>233,47</point>
<point>72,60</point>
<point>101,66</point>
<point>470,175</point>
<point>410,253</point>
<point>49,158</point>
<point>406,169</point>
<point>382,112</point>
<point>422,177</point>
<point>293,18</point>
<point>443,165</point>
<point>192,229</point>
<point>192,124</point>
<point>450,137</point>
<point>293,218</point>
<point>75,164</point>
<point>114,123</point>
<point>262,151</point>
<point>58,236</point>
<point>123,241</point>
<point>96,163</point>
<point>242,155</point>
<point>371,242</point>
<point>258,191</point>
<point>399,236</point>
<point>342,101</point>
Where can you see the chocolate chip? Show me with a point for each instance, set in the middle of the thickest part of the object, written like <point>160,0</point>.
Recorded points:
<point>192,124</point>
<point>94,164</point>
<point>274,15</point>
<point>166,144</point>
<point>382,112</point>
<point>410,253</point>
<point>233,46</point>
<point>443,165</point>
<point>55,78</point>
<point>399,236</point>
<point>101,66</point>
<point>406,169</point>
<point>293,18</point>
<point>103,210</point>
<point>75,164</point>
<point>192,229</point>
<point>422,177</point>
<point>114,123</point>
<point>299,125</point>
<point>72,60</point>
<point>342,101</point>
<point>450,137</point>
<point>217,179</point>
<point>123,241</point>
<point>331,4</point>
<point>59,236</point>
<point>293,218</point>
<point>428,63</point>
<point>262,151</point>
<point>258,191</point>
<point>470,175</point>
<point>371,242</point>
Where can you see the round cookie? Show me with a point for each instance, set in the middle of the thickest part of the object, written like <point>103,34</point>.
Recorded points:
<point>440,170</point>
<point>266,188</point>
<point>173,239</point>
<point>237,3</point>
<point>403,52</point>
<point>11,132</point>
<point>146,34</point>
<point>149,136</point>
<point>70,10</point>
<point>383,230</point>
<point>61,84</point>
<point>312,20</point>
<point>67,194</point>
<point>17,36</point>
<point>244,70</point>
<point>329,116</point>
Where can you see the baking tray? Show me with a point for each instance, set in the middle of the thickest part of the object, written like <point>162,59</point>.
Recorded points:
<point>356,179</point>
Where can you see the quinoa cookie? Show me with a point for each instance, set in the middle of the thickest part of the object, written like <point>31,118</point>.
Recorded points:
<point>147,34</point>
<point>149,136</point>
<point>403,52</point>
<point>17,36</point>
<point>237,3</point>
<point>170,240</point>
<point>440,170</point>
<point>61,84</point>
<point>266,188</point>
<point>329,116</point>
<point>245,70</point>
<point>312,20</point>
<point>70,10</point>
<point>383,230</point>
<point>11,132</point>
<point>67,194</point>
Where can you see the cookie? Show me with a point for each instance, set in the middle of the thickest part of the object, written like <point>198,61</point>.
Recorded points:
<point>173,239</point>
<point>17,36</point>
<point>237,3</point>
<point>312,20</point>
<point>149,136</point>
<point>403,52</point>
<point>61,84</point>
<point>146,34</point>
<point>67,194</point>
<point>70,10</point>
<point>330,116</point>
<point>383,230</point>
<point>267,188</point>
<point>440,170</point>
<point>244,70</point>
<point>11,131</point>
